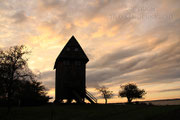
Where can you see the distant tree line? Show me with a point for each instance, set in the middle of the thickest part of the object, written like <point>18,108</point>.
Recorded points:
<point>18,84</point>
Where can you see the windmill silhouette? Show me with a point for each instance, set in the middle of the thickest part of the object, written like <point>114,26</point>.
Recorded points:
<point>70,68</point>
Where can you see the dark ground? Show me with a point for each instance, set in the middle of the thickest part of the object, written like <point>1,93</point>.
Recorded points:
<point>92,112</point>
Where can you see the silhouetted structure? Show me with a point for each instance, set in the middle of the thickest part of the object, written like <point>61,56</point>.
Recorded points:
<point>70,68</point>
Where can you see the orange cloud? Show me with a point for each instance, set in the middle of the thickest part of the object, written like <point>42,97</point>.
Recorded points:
<point>46,37</point>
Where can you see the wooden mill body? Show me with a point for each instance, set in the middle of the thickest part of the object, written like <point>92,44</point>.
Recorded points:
<point>70,68</point>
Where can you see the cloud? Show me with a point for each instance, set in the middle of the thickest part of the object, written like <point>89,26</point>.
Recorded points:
<point>157,58</point>
<point>150,57</point>
<point>170,90</point>
<point>48,79</point>
<point>118,55</point>
<point>126,41</point>
<point>20,17</point>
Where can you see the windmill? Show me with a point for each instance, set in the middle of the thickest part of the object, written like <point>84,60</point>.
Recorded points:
<point>70,68</point>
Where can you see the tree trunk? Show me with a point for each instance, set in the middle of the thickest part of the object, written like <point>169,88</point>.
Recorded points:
<point>105,100</point>
<point>10,88</point>
<point>9,102</point>
<point>9,97</point>
<point>129,100</point>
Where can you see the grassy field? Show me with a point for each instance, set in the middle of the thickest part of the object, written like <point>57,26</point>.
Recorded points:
<point>165,102</point>
<point>93,112</point>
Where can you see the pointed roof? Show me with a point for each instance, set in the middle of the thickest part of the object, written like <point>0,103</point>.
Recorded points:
<point>72,50</point>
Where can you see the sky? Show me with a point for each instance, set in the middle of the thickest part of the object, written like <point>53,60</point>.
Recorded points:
<point>127,41</point>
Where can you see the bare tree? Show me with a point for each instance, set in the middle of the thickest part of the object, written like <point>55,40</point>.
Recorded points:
<point>106,94</point>
<point>131,91</point>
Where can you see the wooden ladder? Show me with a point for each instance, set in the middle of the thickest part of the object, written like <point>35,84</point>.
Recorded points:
<point>90,97</point>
